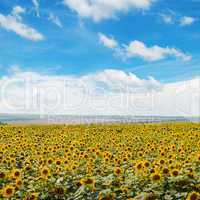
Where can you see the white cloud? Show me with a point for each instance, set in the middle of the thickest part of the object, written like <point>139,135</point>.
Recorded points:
<point>104,9</point>
<point>36,7</point>
<point>107,92</point>
<point>173,18</point>
<point>117,80</point>
<point>17,10</point>
<point>13,22</point>
<point>186,21</point>
<point>179,98</point>
<point>168,19</point>
<point>108,42</point>
<point>54,19</point>
<point>154,53</point>
<point>139,49</point>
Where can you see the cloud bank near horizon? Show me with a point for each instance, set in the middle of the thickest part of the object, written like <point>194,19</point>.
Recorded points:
<point>109,92</point>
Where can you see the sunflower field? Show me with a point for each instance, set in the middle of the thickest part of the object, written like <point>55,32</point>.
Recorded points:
<point>100,162</point>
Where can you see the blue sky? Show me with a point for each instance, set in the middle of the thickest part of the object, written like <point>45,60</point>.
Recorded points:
<point>135,57</point>
<point>75,49</point>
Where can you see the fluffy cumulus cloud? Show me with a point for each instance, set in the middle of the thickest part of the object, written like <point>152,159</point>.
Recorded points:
<point>104,9</point>
<point>186,20</point>
<point>108,42</point>
<point>139,49</point>
<point>119,81</point>
<point>13,22</point>
<point>107,92</point>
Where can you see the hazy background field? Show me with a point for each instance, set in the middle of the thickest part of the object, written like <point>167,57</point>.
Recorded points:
<point>88,119</point>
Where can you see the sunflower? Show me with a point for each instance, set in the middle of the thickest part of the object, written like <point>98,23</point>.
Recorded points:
<point>106,196</point>
<point>2,175</point>
<point>34,196</point>
<point>45,172</point>
<point>58,162</point>
<point>18,182</point>
<point>50,161</point>
<point>8,191</point>
<point>117,171</point>
<point>87,181</point>
<point>165,171</point>
<point>139,166</point>
<point>16,174</point>
<point>175,172</point>
<point>28,167</point>
<point>146,164</point>
<point>156,177</point>
<point>193,196</point>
